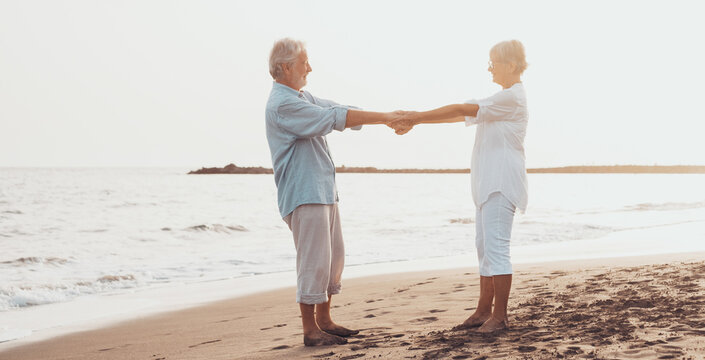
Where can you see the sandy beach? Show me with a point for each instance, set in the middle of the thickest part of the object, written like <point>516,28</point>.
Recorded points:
<point>615,308</point>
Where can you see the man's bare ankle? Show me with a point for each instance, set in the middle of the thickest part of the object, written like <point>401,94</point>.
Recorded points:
<point>323,324</point>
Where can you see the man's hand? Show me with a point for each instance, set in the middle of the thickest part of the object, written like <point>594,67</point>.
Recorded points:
<point>403,122</point>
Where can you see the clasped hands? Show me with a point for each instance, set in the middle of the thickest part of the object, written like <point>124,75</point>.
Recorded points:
<point>402,121</point>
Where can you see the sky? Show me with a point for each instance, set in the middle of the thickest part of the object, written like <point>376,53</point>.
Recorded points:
<point>184,83</point>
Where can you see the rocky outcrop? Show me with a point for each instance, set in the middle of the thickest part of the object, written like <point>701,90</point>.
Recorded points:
<point>233,169</point>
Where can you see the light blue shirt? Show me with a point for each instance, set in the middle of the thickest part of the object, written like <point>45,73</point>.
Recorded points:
<point>297,123</point>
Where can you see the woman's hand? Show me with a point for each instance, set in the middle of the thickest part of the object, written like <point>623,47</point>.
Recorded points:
<point>404,122</point>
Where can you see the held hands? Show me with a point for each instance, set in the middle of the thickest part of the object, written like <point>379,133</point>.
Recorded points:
<point>402,121</point>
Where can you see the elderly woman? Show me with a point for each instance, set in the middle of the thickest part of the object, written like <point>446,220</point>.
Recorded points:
<point>499,184</point>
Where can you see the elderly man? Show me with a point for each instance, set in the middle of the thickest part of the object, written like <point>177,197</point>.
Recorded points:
<point>304,173</point>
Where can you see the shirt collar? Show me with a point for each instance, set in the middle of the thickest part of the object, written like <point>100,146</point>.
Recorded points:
<point>286,88</point>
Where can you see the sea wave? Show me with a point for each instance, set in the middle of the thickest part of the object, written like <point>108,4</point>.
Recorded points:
<point>13,297</point>
<point>218,228</point>
<point>665,206</point>
<point>462,221</point>
<point>533,232</point>
<point>35,260</point>
<point>132,204</point>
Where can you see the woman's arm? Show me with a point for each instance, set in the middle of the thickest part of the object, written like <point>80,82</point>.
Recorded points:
<point>445,114</point>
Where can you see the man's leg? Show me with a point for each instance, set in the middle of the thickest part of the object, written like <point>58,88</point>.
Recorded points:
<point>310,225</point>
<point>313,335</point>
<point>325,322</point>
<point>323,317</point>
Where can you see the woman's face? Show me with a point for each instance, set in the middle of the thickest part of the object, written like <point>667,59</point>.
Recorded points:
<point>501,71</point>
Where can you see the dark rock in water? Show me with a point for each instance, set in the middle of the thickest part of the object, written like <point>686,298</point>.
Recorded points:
<point>166,229</point>
<point>233,169</point>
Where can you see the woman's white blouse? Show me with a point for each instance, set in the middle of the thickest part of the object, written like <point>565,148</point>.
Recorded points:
<point>498,162</point>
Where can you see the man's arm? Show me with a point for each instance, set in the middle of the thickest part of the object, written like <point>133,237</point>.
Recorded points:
<point>358,117</point>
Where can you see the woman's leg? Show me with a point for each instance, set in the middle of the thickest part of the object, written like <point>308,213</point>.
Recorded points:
<point>498,216</point>
<point>484,303</point>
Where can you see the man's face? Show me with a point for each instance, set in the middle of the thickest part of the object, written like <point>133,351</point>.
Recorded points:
<point>297,72</point>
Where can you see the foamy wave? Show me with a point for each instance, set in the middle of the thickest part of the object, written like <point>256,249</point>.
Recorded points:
<point>113,278</point>
<point>462,221</point>
<point>35,260</point>
<point>533,232</point>
<point>665,206</point>
<point>25,296</point>
<point>218,228</point>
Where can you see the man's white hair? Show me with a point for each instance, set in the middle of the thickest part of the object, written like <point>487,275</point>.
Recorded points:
<point>284,51</point>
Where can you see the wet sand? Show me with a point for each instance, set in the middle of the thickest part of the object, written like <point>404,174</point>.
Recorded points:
<point>620,308</point>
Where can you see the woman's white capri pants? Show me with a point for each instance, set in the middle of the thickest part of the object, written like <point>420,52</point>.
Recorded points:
<point>493,227</point>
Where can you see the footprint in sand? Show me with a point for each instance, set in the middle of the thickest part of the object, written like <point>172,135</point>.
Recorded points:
<point>436,311</point>
<point>353,356</point>
<point>526,348</point>
<point>425,320</point>
<point>324,355</point>
<point>281,347</point>
<point>205,342</point>
<point>461,357</point>
<point>273,326</point>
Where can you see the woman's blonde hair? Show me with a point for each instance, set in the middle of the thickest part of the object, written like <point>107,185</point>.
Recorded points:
<point>510,51</point>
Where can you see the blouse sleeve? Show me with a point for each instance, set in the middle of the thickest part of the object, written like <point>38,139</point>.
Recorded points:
<point>497,107</point>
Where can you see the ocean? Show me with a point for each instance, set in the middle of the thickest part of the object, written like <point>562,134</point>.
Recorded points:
<point>68,235</point>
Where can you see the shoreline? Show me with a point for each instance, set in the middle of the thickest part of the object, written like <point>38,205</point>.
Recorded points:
<point>585,169</point>
<point>418,308</point>
<point>45,322</point>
